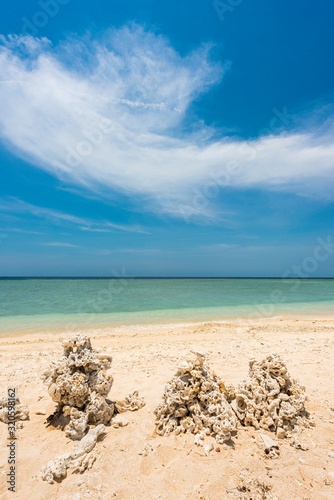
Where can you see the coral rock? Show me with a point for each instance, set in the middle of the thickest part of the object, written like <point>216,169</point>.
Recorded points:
<point>78,382</point>
<point>270,399</point>
<point>132,402</point>
<point>99,411</point>
<point>254,489</point>
<point>194,402</point>
<point>79,458</point>
<point>56,469</point>
<point>21,411</point>
<point>76,428</point>
<point>280,433</point>
<point>119,422</point>
<point>271,447</point>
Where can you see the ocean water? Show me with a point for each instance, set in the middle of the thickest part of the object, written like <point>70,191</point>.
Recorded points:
<point>76,304</point>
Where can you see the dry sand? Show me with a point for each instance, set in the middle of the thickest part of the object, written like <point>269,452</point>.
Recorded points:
<point>173,467</point>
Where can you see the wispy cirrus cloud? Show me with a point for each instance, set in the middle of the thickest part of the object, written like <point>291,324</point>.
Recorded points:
<point>60,244</point>
<point>220,246</point>
<point>137,251</point>
<point>141,250</point>
<point>17,206</point>
<point>107,115</point>
<point>23,231</point>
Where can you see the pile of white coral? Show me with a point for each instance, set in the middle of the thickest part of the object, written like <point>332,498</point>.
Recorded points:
<point>194,401</point>
<point>79,383</point>
<point>270,399</point>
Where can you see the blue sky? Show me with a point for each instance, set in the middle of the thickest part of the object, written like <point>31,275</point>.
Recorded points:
<point>173,139</point>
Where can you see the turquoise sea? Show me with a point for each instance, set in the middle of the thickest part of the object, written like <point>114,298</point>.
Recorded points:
<point>74,304</point>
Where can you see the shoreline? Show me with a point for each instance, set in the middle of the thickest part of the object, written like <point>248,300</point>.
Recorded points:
<point>153,326</point>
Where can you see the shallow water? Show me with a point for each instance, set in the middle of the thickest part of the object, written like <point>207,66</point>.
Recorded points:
<point>69,304</point>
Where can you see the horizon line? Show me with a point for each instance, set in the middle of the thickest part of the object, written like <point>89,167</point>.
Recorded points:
<point>166,277</point>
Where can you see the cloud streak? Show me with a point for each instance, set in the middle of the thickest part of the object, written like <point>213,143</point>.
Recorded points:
<point>220,246</point>
<point>113,123</point>
<point>16,206</point>
<point>59,244</point>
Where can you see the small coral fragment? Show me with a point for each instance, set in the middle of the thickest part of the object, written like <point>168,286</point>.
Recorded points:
<point>254,489</point>
<point>79,458</point>
<point>271,447</point>
<point>20,411</point>
<point>132,402</point>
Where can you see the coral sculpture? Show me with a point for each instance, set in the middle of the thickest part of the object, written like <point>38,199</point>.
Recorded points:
<point>79,458</point>
<point>78,382</point>
<point>270,399</point>
<point>194,401</point>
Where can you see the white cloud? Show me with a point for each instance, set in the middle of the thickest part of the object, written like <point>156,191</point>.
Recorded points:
<point>107,115</point>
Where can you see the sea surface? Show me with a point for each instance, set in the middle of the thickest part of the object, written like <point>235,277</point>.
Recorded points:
<point>66,304</point>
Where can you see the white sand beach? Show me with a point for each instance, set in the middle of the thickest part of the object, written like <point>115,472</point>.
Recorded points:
<point>174,467</point>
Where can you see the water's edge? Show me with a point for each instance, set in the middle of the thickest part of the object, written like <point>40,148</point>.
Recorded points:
<point>41,305</point>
